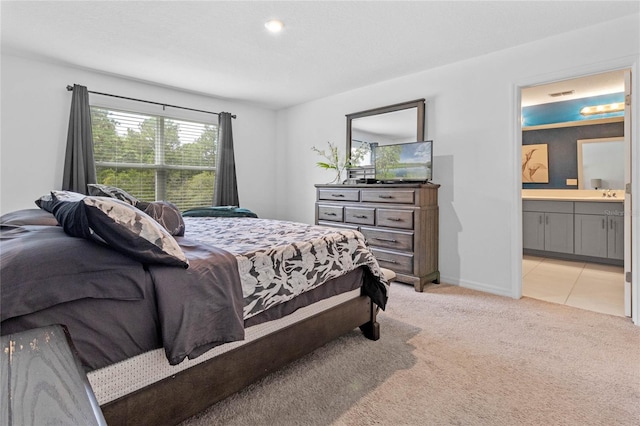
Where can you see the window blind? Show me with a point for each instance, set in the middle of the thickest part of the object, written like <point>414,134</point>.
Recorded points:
<point>155,157</point>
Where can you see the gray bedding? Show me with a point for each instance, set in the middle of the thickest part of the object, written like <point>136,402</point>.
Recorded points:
<point>197,308</point>
<point>116,307</point>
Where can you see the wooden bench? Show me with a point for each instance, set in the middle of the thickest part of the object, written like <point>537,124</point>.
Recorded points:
<point>43,382</point>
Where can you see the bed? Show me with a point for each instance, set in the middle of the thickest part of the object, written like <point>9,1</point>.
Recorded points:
<point>243,297</point>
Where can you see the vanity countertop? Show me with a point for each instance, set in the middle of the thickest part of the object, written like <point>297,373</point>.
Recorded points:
<point>616,196</point>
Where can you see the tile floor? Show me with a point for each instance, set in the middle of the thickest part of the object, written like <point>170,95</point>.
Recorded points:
<point>590,286</point>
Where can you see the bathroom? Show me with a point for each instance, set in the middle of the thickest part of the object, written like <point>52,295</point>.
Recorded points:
<point>574,157</point>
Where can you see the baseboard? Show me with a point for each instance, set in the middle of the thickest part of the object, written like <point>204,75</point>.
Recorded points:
<point>472,285</point>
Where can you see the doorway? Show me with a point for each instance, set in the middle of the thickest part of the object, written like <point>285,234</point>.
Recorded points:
<point>552,120</point>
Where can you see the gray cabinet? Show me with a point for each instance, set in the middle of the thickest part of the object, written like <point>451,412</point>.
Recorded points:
<point>533,230</point>
<point>574,230</point>
<point>591,235</point>
<point>399,222</point>
<point>548,226</point>
<point>599,229</point>
<point>615,237</point>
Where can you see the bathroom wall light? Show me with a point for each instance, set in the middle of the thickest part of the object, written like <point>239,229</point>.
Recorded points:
<point>602,109</point>
<point>274,25</point>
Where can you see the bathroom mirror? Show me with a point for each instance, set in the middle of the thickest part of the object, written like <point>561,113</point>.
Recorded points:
<point>403,122</point>
<point>601,162</point>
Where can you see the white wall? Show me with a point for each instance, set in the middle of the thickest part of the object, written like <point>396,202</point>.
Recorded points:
<point>35,116</point>
<point>472,116</point>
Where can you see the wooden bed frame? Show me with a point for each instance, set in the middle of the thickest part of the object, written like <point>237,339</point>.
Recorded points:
<point>173,399</point>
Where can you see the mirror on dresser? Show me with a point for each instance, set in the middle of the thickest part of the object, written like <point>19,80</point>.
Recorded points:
<point>403,122</point>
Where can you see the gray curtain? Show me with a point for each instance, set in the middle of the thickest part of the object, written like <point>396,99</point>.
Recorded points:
<point>79,165</point>
<point>226,186</point>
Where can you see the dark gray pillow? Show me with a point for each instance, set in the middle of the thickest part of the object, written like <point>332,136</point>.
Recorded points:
<point>119,224</point>
<point>167,215</point>
<point>100,190</point>
<point>29,217</point>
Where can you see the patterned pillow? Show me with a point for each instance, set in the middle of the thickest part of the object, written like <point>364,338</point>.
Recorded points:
<point>46,203</point>
<point>166,214</point>
<point>100,190</point>
<point>119,224</point>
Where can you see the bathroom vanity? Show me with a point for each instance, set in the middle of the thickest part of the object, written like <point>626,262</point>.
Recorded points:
<point>578,225</point>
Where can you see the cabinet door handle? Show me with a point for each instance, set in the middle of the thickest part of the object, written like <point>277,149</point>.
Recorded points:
<point>540,220</point>
<point>546,220</point>
<point>610,223</point>
<point>386,260</point>
<point>603,225</point>
<point>338,195</point>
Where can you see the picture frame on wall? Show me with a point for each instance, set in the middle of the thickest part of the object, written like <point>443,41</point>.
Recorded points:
<point>535,163</point>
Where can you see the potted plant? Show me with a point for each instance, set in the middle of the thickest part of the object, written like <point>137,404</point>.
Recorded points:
<point>334,161</point>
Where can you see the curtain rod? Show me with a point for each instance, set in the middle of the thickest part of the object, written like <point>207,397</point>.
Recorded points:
<point>70,89</point>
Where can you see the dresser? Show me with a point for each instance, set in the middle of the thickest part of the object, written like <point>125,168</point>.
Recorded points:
<point>399,222</point>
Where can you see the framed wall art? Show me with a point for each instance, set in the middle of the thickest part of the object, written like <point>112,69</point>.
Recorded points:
<point>535,163</point>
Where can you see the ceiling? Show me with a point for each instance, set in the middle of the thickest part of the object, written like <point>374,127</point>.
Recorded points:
<point>221,48</point>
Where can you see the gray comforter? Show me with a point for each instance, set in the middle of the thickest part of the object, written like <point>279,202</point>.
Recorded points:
<point>116,307</point>
<point>197,308</point>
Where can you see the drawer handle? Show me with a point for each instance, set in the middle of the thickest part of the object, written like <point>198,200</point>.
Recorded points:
<point>395,219</point>
<point>389,240</point>
<point>330,214</point>
<point>386,196</point>
<point>360,216</point>
<point>337,195</point>
<point>386,260</point>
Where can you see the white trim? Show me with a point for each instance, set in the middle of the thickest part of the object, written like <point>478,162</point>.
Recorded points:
<point>474,285</point>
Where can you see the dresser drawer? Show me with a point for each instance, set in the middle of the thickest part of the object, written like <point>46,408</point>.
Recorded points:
<point>338,225</point>
<point>402,219</point>
<point>339,194</point>
<point>331,213</point>
<point>398,240</point>
<point>361,215</point>
<point>397,262</point>
<point>406,196</point>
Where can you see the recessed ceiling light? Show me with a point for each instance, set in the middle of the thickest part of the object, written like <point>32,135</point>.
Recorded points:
<point>274,25</point>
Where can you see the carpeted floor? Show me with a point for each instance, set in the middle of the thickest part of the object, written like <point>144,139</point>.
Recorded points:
<point>452,356</point>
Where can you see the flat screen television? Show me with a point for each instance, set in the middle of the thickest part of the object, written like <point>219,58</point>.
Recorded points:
<point>403,162</point>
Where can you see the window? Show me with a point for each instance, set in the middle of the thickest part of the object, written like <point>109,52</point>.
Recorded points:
<point>155,157</point>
